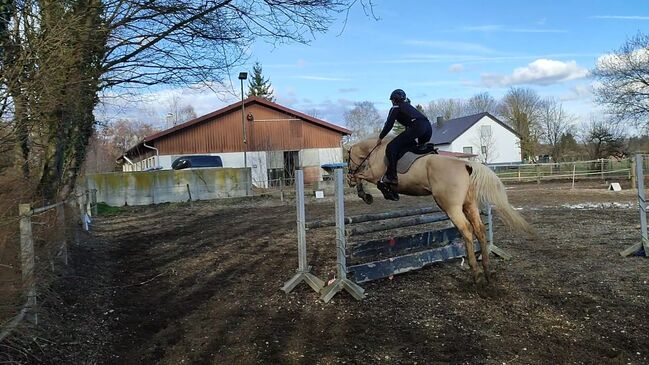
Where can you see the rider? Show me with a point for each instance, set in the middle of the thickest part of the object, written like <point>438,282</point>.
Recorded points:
<point>418,131</point>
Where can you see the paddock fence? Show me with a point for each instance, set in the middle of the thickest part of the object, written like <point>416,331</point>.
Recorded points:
<point>37,253</point>
<point>600,169</point>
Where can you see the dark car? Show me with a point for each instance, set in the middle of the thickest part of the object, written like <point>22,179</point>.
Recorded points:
<point>194,161</point>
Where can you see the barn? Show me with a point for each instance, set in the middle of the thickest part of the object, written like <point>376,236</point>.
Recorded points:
<point>277,140</point>
<point>482,135</point>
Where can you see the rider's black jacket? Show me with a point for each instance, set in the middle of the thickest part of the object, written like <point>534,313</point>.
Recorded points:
<point>405,114</point>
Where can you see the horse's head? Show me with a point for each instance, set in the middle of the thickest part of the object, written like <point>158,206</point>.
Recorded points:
<point>357,160</point>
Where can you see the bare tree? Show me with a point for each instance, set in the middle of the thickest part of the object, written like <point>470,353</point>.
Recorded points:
<point>177,112</point>
<point>363,120</point>
<point>59,56</point>
<point>554,122</point>
<point>481,103</point>
<point>624,81</point>
<point>603,139</point>
<point>485,141</point>
<point>446,108</point>
<point>520,107</point>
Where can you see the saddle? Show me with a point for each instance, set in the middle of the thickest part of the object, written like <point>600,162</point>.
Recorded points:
<point>406,159</point>
<point>409,156</point>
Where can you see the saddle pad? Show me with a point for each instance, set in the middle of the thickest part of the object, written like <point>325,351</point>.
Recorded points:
<point>404,163</point>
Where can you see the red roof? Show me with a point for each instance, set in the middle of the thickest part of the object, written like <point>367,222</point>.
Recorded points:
<point>249,101</point>
<point>455,154</point>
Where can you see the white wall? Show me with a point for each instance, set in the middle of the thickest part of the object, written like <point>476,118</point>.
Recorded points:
<point>504,149</point>
<point>256,160</point>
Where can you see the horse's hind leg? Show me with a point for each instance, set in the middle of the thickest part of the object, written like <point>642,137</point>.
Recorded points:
<point>473,214</point>
<point>463,225</point>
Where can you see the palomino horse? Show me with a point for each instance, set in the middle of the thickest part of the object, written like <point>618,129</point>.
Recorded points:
<point>457,186</point>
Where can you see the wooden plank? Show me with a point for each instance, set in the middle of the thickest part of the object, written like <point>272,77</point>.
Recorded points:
<point>396,223</point>
<point>373,217</point>
<point>398,265</point>
<point>402,244</point>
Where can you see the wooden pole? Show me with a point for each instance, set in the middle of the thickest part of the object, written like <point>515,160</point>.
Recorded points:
<point>374,217</point>
<point>93,201</point>
<point>189,193</point>
<point>60,218</point>
<point>574,167</point>
<point>27,260</point>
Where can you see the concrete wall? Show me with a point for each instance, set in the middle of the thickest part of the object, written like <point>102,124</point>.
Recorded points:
<point>163,186</point>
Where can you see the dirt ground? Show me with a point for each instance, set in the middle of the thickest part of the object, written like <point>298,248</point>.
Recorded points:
<point>172,284</point>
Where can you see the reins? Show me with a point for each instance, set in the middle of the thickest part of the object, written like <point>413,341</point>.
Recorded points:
<point>353,173</point>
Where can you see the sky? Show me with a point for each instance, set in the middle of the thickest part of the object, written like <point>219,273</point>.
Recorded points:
<point>430,49</point>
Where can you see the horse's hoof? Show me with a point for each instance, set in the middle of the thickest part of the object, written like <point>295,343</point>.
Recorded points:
<point>368,199</point>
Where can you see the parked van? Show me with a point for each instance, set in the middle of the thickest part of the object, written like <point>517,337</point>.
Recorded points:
<point>196,161</point>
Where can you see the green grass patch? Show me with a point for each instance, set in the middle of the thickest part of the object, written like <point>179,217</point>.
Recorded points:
<point>105,209</point>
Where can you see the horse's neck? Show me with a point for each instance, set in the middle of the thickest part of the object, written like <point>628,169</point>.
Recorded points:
<point>376,164</point>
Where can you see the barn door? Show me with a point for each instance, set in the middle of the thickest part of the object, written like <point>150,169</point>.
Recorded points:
<point>291,162</point>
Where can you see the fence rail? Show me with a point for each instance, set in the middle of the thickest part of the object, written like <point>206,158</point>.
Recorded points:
<point>601,168</point>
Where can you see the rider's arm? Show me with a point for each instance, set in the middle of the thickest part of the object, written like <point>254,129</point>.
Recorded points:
<point>389,123</point>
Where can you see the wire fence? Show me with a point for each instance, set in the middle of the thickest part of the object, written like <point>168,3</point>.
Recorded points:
<point>36,255</point>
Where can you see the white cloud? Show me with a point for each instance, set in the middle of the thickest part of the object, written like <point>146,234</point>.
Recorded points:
<point>455,68</point>
<point>152,107</point>
<point>578,92</point>
<point>620,17</point>
<point>454,46</point>
<point>539,72</point>
<point>614,61</point>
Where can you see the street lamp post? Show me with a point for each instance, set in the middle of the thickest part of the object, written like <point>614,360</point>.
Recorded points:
<point>243,76</point>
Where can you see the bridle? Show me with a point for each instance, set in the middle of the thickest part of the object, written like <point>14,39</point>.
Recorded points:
<point>358,166</point>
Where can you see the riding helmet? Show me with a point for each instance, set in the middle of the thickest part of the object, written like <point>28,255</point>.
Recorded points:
<point>398,96</point>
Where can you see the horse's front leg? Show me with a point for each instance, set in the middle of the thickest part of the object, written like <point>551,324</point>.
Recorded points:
<point>367,197</point>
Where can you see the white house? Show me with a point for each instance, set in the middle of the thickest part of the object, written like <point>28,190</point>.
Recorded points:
<point>491,140</point>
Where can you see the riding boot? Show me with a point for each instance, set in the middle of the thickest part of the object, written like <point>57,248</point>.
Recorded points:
<point>391,180</point>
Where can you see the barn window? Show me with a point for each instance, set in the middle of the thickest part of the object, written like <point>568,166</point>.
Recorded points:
<point>468,150</point>
<point>484,150</point>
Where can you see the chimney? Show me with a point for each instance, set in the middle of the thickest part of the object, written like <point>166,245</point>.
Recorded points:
<point>440,122</point>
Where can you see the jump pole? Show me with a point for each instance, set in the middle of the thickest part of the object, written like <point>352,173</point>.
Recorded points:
<point>304,270</point>
<point>642,204</point>
<point>341,282</point>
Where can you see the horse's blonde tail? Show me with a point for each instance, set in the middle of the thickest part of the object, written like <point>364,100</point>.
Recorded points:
<point>489,189</point>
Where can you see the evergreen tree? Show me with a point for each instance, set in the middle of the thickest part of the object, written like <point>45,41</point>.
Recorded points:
<point>258,86</point>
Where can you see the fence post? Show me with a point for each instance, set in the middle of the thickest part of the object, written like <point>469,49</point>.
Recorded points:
<point>93,201</point>
<point>27,260</point>
<point>632,175</point>
<point>538,176</point>
<point>60,220</point>
<point>189,193</point>
<point>602,167</point>
<point>281,189</point>
<point>642,205</point>
<point>574,167</point>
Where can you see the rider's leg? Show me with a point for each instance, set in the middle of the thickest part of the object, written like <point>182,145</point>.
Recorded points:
<point>392,151</point>
<point>425,133</point>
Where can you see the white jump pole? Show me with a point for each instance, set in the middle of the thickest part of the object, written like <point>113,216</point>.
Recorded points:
<point>304,270</point>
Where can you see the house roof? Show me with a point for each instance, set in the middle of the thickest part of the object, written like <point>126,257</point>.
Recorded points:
<point>456,154</point>
<point>235,107</point>
<point>451,129</point>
